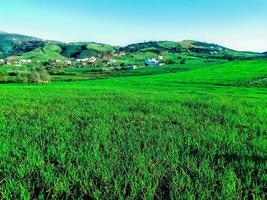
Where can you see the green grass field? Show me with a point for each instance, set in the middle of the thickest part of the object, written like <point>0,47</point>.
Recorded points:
<point>49,52</point>
<point>196,133</point>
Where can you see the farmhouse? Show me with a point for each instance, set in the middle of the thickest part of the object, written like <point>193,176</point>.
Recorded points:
<point>92,60</point>
<point>160,57</point>
<point>152,62</point>
<point>82,60</point>
<point>108,56</point>
<point>122,54</point>
<point>68,62</point>
<point>2,61</point>
<point>111,61</point>
<point>24,61</point>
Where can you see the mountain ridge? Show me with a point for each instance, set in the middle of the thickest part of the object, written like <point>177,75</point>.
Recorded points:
<point>16,44</point>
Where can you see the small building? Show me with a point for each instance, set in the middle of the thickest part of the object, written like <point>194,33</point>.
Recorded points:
<point>132,67</point>
<point>160,57</point>
<point>25,61</point>
<point>68,62</point>
<point>92,60</point>
<point>108,56</point>
<point>111,62</point>
<point>2,61</point>
<point>152,62</point>
<point>121,54</point>
<point>82,60</point>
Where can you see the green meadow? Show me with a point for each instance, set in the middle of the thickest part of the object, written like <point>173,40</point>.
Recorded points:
<point>197,131</point>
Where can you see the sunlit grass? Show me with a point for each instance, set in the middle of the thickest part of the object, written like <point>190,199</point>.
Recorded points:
<point>146,137</point>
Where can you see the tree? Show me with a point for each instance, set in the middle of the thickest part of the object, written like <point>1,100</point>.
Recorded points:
<point>183,61</point>
<point>231,58</point>
<point>170,62</point>
<point>38,76</point>
<point>34,77</point>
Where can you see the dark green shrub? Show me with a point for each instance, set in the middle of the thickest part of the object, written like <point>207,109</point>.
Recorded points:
<point>170,62</point>
<point>183,61</point>
<point>230,58</point>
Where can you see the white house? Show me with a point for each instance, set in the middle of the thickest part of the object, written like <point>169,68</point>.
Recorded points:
<point>92,60</point>
<point>122,54</point>
<point>152,62</point>
<point>82,60</point>
<point>68,62</point>
<point>111,61</point>
<point>24,61</point>
<point>160,57</point>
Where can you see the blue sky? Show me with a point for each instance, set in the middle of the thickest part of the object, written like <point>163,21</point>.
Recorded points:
<point>238,24</point>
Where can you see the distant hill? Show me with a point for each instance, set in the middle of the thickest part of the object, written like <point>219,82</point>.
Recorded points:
<point>85,49</point>
<point>177,47</point>
<point>16,44</point>
<point>34,48</point>
<point>50,51</point>
<point>196,48</point>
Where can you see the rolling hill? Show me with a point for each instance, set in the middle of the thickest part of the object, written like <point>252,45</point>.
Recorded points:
<point>200,49</point>
<point>85,49</point>
<point>27,47</point>
<point>50,51</point>
<point>16,44</point>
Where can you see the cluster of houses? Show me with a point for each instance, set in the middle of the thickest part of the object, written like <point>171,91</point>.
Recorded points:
<point>16,62</point>
<point>88,60</point>
<point>92,61</point>
<point>84,61</point>
<point>118,68</point>
<point>109,60</point>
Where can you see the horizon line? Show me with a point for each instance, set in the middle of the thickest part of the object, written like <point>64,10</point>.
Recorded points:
<point>124,45</point>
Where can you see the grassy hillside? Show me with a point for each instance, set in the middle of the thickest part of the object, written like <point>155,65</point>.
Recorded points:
<point>48,52</point>
<point>15,44</point>
<point>195,134</point>
<point>189,47</point>
<point>85,50</point>
<point>230,73</point>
